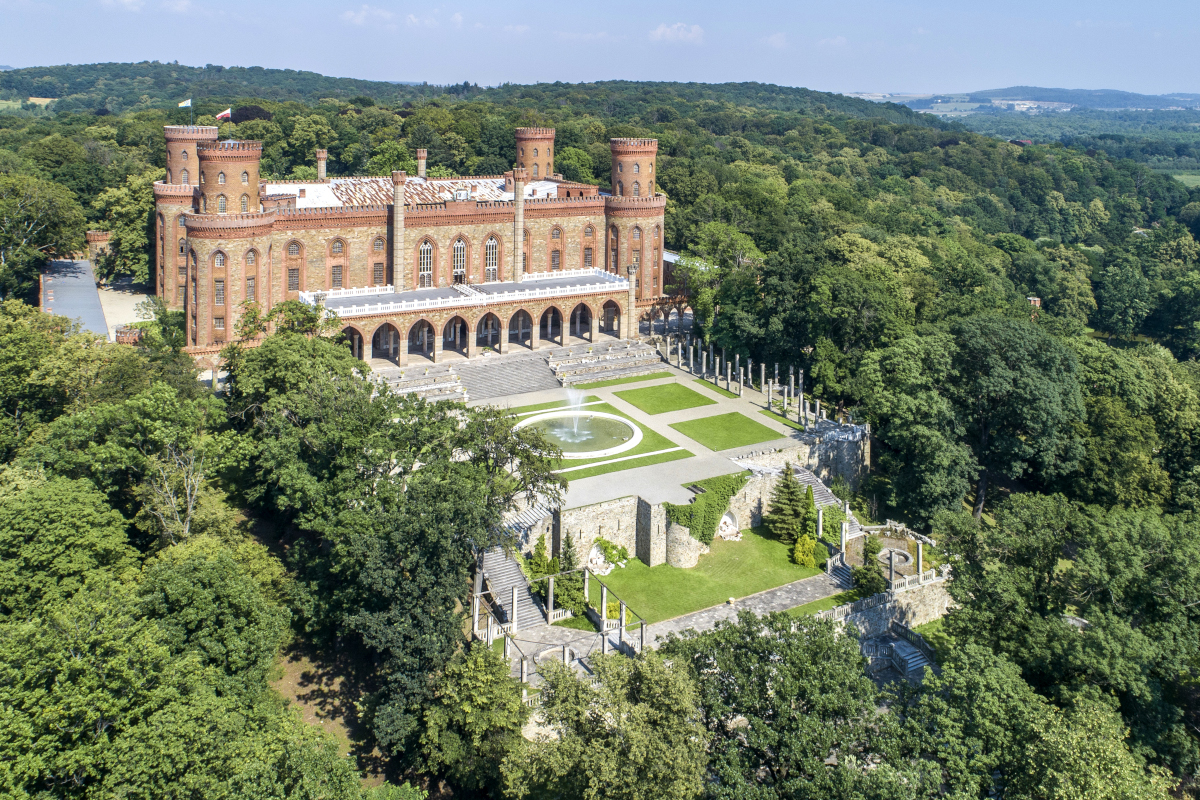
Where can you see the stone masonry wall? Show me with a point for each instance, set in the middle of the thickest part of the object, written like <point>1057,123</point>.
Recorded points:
<point>651,533</point>
<point>614,520</point>
<point>837,450</point>
<point>913,607</point>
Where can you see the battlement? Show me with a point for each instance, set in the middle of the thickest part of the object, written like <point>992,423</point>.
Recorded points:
<point>331,211</point>
<point>190,133</point>
<point>179,191</point>
<point>627,201</point>
<point>228,226</point>
<point>243,149</point>
<point>535,133</point>
<point>97,237</point>
<point>633,145</point>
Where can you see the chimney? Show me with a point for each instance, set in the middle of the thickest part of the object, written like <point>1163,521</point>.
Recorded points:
<point>398,180</point>
<point>520,175</point>
<point>322,156</point>
<point>302,193</point>
<point>422,154</point>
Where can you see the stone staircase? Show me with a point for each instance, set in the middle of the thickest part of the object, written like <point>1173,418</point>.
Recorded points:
<point>501,574</point>
<point>843,575</point>
<point>587,363</point>
<point>910,661</point>
<point>432,382</point>
<point>823,497</point>
<point>497,376</point>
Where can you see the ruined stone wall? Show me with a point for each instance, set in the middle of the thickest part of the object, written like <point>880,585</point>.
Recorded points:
<point>832,450</point>
<point>651,533</point>
<point>614,520</point>
<point>913,607</point>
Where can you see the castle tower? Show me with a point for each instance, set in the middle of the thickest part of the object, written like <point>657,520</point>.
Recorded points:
<point>422,156</point>
<point>633,163</point>
<point>229,177</point>
<point>183,167</point>
<point>322,158</point>
<point>535,151</point>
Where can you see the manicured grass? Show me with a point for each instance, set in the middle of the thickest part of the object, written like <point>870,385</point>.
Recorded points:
<point>632,463</point>
<point>712,387</point>
<point>791,423</point>
<point>824,604</point>
<point>577,623</point>
<point>618,381</point>
<point>651,443</point>
<point>724,431</point>
<point>661,399</point>
<point>935,633</point>
<point>547,406</point>
<point>733,569</point>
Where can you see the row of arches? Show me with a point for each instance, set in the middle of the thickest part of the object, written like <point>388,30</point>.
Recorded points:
<point>458,335</point>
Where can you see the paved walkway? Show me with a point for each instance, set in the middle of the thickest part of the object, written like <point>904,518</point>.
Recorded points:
<point>69,290</point>
<point>119,301</point>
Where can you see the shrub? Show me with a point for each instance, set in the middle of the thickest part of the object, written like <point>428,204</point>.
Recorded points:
<point>840,488</point>
<point>802,552</point>
<point>703,514</point>
<point>831,524</point>
<point>613,554</point>
<point>820,555</point>
<point>868,579</point>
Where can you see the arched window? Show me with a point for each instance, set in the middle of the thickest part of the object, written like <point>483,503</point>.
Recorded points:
<point>245,203</point>
<point>182,222</point>
<point>637,189</point>
<point>182,245</point>
<point>204,205</point>
<point>221,204</point>
<point>556,234</point>
<point>620,167</point>
<point>636,169</point>
<point>656,233</point>
<point>522,152</point>
<point>201,176</point>
<point>460,261</point>
<point>379,245</point>
<point>221,178</point>
<point>425,276</point>
<point>184,155</point>
<point>337,247</point>
<point>245,178</point>
<point>535,152</point>
<point>168,176</point>
<point>183,177</point>
<point>219,260</point>
<point>547,169</point>
<point>251,258</point>
<point>294,249</point>
<point>620,188</point>
<point>637,233</point>
<point>535,174</point>
<point>491,259</point>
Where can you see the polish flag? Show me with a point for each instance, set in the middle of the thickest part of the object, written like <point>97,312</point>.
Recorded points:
<point>226,114</point>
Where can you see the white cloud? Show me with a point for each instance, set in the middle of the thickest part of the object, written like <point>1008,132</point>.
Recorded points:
<point>124,5</point>
<point>366,14</point>
<point>777,40</point>
<point>679,32</point>
<point>412,20</point>
<point>457,19</point>
<point>836,41</point>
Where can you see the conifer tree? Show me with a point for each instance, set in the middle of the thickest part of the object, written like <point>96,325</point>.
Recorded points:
<point>808,515</point>
<point>786,507</point>
<point>568,589</point>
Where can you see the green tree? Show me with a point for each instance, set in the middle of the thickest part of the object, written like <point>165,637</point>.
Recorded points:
<point>868,578</point>
<point>575,165</point>
<point>38,220</point>
<point>474,719</point>
<point>637,733</point>
<point>129,217</point>
<point>1122,297</point>
<point>391,156</point>
<point>789,512</point>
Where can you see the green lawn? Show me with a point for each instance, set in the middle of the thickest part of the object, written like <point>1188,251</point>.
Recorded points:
<point>712,387</point>
<point>577,623</point>
<point>661,399</point>
<point>791,423</point>
<point>824,604</point>
<point>733,569</point>
<point>618,381</point>
<point>547,406</point>
<point>724,431</point>
<point>632,463</point>
<point>935,633</point>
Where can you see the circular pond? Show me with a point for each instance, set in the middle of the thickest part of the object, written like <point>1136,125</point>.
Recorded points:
<point>586,434</point>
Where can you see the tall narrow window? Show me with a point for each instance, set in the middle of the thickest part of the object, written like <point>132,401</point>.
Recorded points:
<point>379,245</point>
<point>219,323</point>
<point>251,258</point>
<point>535,152</point>
<point>377,274</point>
<point>182,244</point>
<point>245,178</point>
<point>636,169</point>
<point>589,231</point>
<point>547,169</point>
<point>620,188</point>
<point>637,189</point>
<point>221,204</point>
<point>637,234</point>
<point>183,176</point>
<point>637,258</point>
<point>425,273</point>
<point>219,260</point>
<point>250,293</point>
<point>491,259</point>
<point>219,293</point>
<point>556,234</point>
<point>555,259</point>
<point>460,261</point>
<point>535,172</point>
<point>293,280</point>
<point>587,258</point>
<point>183,154</point>
<point>245,203</point>
<point>337,248</point>
<point>221,178</point>
<point>294,249</point>
<point>337,276</point>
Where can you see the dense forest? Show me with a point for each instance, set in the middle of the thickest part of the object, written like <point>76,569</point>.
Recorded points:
<point>1050,447</point>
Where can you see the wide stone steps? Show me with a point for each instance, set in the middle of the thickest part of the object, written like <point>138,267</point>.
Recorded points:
<point>497,376</point>
<point>436,382</point>
<point>501,575</point>
<point>608,375</point>
<point>844,576</point>
<point>911,658</point>
<point>562,356</point>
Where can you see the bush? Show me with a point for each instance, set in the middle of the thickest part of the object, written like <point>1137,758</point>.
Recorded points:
<point>613,554</point>
<point>868,579</point>
<point>803,552</point>
<point>831,524</point>
<point>703,514</point>
<point>820,555</point>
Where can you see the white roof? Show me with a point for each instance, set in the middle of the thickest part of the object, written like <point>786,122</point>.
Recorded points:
<point>378,191</point>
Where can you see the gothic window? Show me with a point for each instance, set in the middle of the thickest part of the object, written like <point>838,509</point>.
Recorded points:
<point>637,233</point>
<point>181,246</point>
<point>337,248</point>
<point>637,189</point>
<point>202,177</point>
<point>379,245</point>
<point>656,233</point>
<point>620,188</point>
<point>168,176</point>
<point>589,231</point>
<point>556,234</point>
<point>245,203</point>
<point>293,280</point>
<point>219,260</point>
<point>636,169</point>
<point>587,258</point>
<point>460,261</point>
<point>219,293</point>
<point>378,276</point>
<point>535,173</point>
<point>620,167</point>
<point>294,249</point>
<point>535,152</point>
<point>245,178</point>
<point>525,234</point>
<point>251,258</point>
<point>637,258</point>
<point>425,273</point>
<point>182,222</point>
<point>336,276</point>
<point>221,204</point>
<point>221,178</point>
<point>250,295</point>
<point>184,155</point>
<point>547,169</point>
<point>183,176</point>
<point>204,205</point>
<point>555,259</point>
<point>491,258</point>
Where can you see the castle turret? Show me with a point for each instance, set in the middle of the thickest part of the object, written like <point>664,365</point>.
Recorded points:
<point>229,177</point>
<point>633,162</point>
<point>322,157</point>
<point>535,151</point>
<point>182,164</point>
<point>422,157</point>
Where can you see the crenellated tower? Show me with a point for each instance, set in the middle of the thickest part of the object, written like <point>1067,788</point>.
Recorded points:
<point>229,177</point>
<point>535,151</point>
<point>183,166</point>
<point>633,163</point>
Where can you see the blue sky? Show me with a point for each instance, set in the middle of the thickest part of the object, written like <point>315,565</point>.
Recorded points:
<point>861,45</point>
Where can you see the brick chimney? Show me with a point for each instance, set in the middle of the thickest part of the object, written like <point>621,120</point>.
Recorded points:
<point>322,157</point>
<point>422,154</point>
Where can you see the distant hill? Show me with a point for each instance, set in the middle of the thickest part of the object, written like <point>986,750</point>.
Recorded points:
<point>5,67</point>
<point>117,87</point>
<point>1091,98</point>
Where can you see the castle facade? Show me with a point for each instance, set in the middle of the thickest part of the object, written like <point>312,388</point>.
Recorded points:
<point>413,265</point>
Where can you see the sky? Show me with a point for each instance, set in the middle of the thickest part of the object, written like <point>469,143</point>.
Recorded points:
<point>844,46</point>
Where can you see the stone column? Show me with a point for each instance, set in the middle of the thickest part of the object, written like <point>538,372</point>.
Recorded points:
<point>739,372</point>
<point>437,347</point>
<point>817,413</point>
<point>603,610</point>
<point>728,383</point>
<point>642,637</point>
<point>399,260</point>
<point>514,610</point>
<point>550,596</point>
<point>762,376</point>
<point>535,334</point>
<point>630,320</point>
<point>891,566</point>
<point>322,156</point>
<point>691,360</point>
<point>402,360</point>
<point>367,349</point>
<point>621,623</point>
<point>587,579</point>
<point>703,364</point>
<point>594,328</point>
<point>777,373</point>
<point>422,155</point>
<point>920,559</point>
<point>820,521</point>
<point>845,535</point>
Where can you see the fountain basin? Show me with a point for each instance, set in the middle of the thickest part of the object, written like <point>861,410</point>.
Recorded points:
<point>586,434</point>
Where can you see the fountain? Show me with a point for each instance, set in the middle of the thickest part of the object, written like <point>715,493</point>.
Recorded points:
<point>581,433</point>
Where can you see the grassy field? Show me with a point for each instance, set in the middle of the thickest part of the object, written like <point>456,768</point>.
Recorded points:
<point>1188,179</point>
<point>724,431</point>
<point>10,105</point>
<point>591,398</point>
<point>661,399</point>
<point>935,633</point>
<point>733,569</point>
<point>712,387</point>
<point>824,604</point>
<point>618,381</point>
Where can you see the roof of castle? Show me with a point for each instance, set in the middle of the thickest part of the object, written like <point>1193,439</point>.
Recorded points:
<point>370,191</point>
